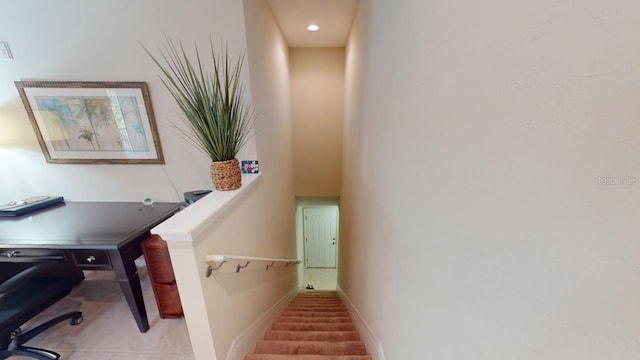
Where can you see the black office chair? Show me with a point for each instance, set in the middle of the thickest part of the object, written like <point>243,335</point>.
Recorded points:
<point>26,294</point>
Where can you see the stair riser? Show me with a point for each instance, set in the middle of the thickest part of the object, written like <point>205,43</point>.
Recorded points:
<point>317,302</point>
<point>316,308</point>
<point>298,319</point>
<point>315,314</point>
<point>305,357</point>
<point>317,298</point>
<point>314,327</point>
<point>312,335</point>
<point>310,347</point>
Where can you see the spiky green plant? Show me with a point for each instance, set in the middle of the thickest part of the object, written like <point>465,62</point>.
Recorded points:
<point>212,102</point>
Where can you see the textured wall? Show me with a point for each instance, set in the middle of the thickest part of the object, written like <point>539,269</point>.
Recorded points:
<point>490,189</point>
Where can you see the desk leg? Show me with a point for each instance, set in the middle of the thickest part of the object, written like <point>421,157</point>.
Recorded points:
<point>127,274</point>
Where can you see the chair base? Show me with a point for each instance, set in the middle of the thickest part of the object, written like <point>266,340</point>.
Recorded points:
<point>35,353</point>
<point>16,348</point>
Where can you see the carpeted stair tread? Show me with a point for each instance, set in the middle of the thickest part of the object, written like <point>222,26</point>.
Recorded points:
<point>305,357</point>
<point>317,293</point>
<point>294,313</point>
<point>308,319</point>
<point>310,347</point>
<point>313,326</point>
<point>311,307</point>
<point>320,306</point>
<point>317,297</point>
<point>310,310</point>
<point>312,335</point>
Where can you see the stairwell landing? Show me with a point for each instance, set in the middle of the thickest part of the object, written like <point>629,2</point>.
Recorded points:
<point>315,326</point>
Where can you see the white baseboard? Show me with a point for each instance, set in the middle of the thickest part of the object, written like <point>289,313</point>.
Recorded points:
<point>371,341</point>
<point>245,343</point>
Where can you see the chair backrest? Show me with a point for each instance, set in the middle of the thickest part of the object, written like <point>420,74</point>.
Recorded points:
<point>24,295</point>
<point>17,275</point>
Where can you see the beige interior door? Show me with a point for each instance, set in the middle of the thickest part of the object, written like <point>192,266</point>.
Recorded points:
<point>321,236</point>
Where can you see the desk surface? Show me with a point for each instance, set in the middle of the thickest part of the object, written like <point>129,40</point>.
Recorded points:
<point>78,225</point>
<point>92,235</point>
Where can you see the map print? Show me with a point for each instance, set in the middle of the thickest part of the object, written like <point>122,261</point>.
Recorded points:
<point>100,123</point>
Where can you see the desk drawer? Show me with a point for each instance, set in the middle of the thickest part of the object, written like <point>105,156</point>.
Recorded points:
<point>89,259</point>
<point>18,255</point>
<point>168,300</point>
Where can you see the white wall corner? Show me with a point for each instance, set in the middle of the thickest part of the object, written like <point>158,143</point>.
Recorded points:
<point>244,343</point>
<point>374,346</point>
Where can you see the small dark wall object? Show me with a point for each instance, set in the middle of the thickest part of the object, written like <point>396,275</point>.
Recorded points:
<point>250,167</point>
<point>193,196</point>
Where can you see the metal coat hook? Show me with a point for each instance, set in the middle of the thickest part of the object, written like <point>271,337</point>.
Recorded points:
<point>210,269</point>
<point>242,267</point>
<point>219,259</point>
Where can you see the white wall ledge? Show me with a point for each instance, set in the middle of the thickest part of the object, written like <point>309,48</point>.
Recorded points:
<point>188,224</point>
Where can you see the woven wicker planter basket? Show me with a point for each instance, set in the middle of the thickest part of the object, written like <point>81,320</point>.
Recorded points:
<point>226,175</point>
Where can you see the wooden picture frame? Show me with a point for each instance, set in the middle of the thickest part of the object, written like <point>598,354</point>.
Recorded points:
<point>92,122</point>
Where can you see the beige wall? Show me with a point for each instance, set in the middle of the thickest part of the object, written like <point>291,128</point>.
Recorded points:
<point>68,40</point>
<point>223,308</point>
<point>221,311</point>
<point>479,137</point>
<point>317,105</point>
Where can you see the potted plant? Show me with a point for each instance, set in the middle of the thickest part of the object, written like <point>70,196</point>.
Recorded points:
<point>213,106</point>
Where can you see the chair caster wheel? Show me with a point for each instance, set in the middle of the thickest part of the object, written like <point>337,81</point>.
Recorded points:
<point>16,332</point>
<point>77,321</point>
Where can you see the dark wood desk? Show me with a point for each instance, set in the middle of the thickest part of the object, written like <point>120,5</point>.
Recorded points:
<point>90,235</point>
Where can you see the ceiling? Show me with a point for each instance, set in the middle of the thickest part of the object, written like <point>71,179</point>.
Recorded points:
<point>333,16</point>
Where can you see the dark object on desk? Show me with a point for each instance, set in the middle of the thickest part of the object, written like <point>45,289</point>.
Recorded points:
<point>91,236</point>
<point>193,196</point>
<point>163,281</point>
<point>21,207</point>
<point>25,295</point>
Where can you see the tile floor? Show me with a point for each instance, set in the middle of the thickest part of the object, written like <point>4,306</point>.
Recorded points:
<point>108,331</point>
<point>320,278</point>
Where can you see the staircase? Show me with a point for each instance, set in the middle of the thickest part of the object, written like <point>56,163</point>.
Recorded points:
<point>315,326</point>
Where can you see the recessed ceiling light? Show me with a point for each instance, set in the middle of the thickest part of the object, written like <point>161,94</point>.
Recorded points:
<point>313,27</point>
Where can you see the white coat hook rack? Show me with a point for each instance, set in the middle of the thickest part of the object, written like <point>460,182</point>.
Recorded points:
<point>216,261</point>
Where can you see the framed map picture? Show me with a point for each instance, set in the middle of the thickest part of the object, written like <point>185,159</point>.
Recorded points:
<point>92,122</point>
